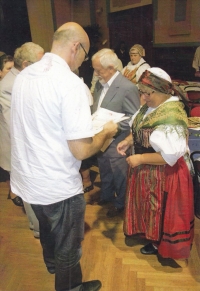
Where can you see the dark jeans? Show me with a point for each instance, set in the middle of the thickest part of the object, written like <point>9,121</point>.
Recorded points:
<point>61,232</point>
<point>4,175</point>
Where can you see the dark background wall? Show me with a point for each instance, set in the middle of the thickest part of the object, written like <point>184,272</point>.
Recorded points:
<point>136,26</point>
<point>177,61</point>
<point>14,25</point>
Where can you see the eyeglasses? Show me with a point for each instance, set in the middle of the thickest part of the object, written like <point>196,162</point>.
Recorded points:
<point>86,55</point>
<point>145,93</point>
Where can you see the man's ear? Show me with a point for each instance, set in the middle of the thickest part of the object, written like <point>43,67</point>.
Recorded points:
<point>25,64</point>
<point>111,68</point>
<point>75,47</point>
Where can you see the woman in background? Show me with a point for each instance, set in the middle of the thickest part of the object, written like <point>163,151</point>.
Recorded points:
<point>136,66</point>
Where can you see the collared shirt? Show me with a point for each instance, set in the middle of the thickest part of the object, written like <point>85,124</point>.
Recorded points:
<point>49,107</point>
<point>106,87</point>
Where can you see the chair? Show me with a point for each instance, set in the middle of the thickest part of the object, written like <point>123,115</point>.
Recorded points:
<point>193,102</point>
<point>195,111</point>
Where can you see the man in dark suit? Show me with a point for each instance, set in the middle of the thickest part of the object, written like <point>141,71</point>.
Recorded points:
<point>114,92</point>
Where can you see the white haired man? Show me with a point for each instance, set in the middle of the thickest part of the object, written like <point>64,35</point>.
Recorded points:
<point>114,92</point>
<point>24,56</point>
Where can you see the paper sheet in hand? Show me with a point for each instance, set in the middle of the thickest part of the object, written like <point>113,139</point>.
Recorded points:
<point>102,116</point>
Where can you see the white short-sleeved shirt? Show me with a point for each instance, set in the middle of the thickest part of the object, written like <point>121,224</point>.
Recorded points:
<point>49,106</point>
<point>170,145</point>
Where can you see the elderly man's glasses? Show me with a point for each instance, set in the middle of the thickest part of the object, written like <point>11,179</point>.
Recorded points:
<point>145,93</point>
<point>86,55</point>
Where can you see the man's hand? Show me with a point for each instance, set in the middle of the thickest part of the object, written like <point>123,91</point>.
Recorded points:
<point>110,129</point>
<point>87,147</point>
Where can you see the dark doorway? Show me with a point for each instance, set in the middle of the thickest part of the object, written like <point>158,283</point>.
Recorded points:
<point>14,25</point>
<point>133,26</point>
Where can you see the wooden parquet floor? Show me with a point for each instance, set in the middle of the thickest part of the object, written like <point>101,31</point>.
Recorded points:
<point>107,254</point>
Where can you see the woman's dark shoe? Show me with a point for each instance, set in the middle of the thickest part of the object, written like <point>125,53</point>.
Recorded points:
<point>88,188</point>
<point>149,249</point>
<point>17,200</point>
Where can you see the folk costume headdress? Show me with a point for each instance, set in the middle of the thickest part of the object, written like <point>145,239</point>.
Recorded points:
<point>155,79</point>
<point>158,80</point>
<point>137,48</point>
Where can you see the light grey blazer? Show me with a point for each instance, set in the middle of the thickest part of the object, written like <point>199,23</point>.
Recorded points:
<point>6,85</point>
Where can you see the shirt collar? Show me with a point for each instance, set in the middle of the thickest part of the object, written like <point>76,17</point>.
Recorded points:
<point>56,58</point>
<point>109,83</point>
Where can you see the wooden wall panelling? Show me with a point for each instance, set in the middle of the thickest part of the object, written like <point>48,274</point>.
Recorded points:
<point>119,5</point>
<point>180,17</point>
<point>179,25</point>
<point>41,22</point>
<point>62,12</point>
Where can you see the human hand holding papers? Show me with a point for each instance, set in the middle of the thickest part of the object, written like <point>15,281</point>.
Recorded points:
<point>101,117</point>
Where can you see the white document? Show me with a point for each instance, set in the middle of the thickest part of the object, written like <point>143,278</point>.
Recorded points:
<point>102,116</point>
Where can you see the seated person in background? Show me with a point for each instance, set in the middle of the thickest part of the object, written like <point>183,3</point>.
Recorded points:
<point>159,195</point>
<point>136,66</point>
<point>196,62</point>
<point>6,64</point>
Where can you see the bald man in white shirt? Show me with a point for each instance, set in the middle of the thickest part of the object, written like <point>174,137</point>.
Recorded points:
<point>51,133</point>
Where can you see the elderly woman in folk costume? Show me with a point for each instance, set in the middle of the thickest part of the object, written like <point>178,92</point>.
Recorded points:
<point>159,198</point>
<point>137,65</point>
